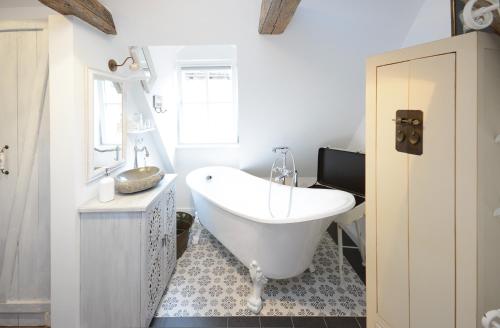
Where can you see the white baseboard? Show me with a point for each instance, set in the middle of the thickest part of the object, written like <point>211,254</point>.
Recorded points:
<point>24,319</point>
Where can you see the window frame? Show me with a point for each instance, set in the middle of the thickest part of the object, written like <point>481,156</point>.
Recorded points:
<point>207,64</point>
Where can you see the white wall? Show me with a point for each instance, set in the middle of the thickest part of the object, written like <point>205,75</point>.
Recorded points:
<point>165,86</point>
<point>73,47</point>
<point>23,12</point>
<point>185,159</point>
<point>432,22</point>
<point>303,88</point>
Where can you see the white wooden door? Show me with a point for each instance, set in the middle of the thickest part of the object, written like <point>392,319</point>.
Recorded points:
<point>488,182</point>
<point>392,200</point>
<point>431,190</point>
<point>19,54</point>
<point>415,204</point>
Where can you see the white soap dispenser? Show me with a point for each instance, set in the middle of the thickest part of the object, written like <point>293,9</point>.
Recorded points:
<point>106,188</point>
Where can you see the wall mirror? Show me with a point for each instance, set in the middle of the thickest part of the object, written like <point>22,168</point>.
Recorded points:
<point>105,123</point>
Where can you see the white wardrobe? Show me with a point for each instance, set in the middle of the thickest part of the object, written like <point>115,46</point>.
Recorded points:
<point>24,182</point>
<point>433,218</point>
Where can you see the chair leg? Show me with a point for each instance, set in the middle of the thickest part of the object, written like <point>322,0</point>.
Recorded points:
<point>361,242</point>
<point>340,245</point>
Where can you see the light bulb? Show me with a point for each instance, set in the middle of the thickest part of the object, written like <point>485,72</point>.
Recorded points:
<point>134,66</point>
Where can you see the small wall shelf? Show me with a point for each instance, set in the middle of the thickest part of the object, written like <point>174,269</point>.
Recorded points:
<point>141,131</point>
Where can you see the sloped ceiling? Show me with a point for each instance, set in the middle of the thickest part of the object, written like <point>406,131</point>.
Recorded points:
<point>304,88</point>
<point>392,17</point>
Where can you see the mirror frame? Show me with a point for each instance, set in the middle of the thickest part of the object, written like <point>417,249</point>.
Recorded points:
<point>91,75</point>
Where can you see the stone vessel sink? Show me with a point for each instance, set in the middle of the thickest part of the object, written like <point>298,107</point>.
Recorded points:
<point>139,179</point>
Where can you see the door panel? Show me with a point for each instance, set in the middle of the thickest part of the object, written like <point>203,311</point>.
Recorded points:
<point>30,242</point>
<point>432,195</point>
<point>19,53</point>
<point>8,136</point>
<point>489,184</point>
<point>392,200</point>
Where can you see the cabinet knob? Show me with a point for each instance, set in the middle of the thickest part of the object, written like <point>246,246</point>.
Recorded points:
<point>400,136</point>
<point>414,138</point>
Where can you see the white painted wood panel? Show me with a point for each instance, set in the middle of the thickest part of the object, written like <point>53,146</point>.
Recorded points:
<point>33,319</point>
<point>8,136</point>
<point>9,319</point>
<point>460,299</point>
<point>28,279</point>
<point>20,53</point>
<point>392,199</point>
<point>110,269</point>
<point>432,195</point>
<point>489,179</point>
<point>42,243</point>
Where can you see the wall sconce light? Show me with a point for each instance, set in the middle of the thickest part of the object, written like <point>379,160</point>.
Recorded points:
<point>113,65</point>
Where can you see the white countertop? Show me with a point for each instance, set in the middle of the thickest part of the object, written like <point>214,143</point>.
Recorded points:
<point>137,202</point>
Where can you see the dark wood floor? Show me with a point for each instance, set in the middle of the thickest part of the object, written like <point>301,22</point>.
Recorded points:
<point>260,322</point>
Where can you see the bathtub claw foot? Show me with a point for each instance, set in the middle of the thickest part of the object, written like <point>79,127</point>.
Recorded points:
<point>259,281</point>
<point>312,268</point>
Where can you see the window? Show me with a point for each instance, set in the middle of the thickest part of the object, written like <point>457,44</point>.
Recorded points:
<point>208,109</point>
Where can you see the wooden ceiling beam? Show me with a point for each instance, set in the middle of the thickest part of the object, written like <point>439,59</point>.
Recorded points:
<point>90,11</point>
<point>276,14</point>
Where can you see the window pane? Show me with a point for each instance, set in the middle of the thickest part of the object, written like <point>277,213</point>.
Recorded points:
<point>193,123</point>
<point>220,86</point>
<point>194,86</point>
<point>222,123</point>
<point>208,114</point>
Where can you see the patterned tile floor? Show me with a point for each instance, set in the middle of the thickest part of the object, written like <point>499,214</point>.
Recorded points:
<point>210,281</point>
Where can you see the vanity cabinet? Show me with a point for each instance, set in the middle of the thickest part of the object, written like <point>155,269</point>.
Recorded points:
<point>433,213</point>
<point>127,256</point>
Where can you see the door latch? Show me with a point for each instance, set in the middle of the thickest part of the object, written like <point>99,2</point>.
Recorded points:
<point>409,131</point>
<point>3,160</point>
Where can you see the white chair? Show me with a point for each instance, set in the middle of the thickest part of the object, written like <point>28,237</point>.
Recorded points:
<point>343,221</point>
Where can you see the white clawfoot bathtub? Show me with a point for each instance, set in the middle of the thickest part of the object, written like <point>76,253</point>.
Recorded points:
<point>233,206</point>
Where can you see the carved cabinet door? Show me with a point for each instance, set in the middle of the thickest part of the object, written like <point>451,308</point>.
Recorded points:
<point>153,281</point>
<point>159,251</point>
<point>169,249</point>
